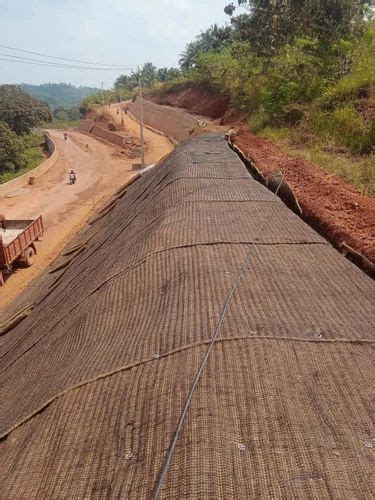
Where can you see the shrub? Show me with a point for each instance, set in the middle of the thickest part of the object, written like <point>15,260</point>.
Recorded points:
<point>346,127</point>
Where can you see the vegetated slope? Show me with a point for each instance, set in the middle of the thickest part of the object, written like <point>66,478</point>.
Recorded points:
<point>285,397</point>
<point>304,76</point>
<point>58,94</point>
<point>328,203</point>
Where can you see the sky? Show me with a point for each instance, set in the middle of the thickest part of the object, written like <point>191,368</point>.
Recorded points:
<point>103,31</point>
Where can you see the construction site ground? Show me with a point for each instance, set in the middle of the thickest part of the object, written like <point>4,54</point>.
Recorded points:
<point>100,171</point>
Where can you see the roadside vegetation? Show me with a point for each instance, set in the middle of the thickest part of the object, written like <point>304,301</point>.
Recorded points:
<point>304,72</point>
<point>126,85</point>
<point>21,145</point>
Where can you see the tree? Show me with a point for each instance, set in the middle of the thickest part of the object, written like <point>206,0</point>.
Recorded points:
<point>162,74</point>
<point>11,149</point>
<point>213,39</point>
<point>21,111</point>
<point>173,73</point>
<point>61,115</point>
<point>272,23</point>
<point>148,74</point>
<point>128,82</point>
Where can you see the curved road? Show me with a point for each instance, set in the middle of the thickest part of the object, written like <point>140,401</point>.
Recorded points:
<point>100,171</point>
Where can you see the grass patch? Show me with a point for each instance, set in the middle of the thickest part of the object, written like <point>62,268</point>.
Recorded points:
<point>32,156</point>
<point>358,170</point>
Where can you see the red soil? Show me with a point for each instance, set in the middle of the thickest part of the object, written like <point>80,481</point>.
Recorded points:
<point>329,204</point>
<point>198,101</point>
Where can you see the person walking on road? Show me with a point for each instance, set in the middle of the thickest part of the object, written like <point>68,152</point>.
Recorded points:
<point>3,222</point>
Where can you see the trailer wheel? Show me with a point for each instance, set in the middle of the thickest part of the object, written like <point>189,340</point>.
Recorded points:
<point>28,259</point>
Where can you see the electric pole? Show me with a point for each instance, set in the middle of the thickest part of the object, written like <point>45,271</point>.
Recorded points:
<point>141,119</point>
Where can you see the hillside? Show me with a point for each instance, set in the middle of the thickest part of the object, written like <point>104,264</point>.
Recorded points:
<point>307,86</point>
<point>58,94</point>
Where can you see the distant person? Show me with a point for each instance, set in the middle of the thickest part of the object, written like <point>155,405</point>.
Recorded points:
<point>65,136</point>
<point>2,222</point>
<point>72,177</point>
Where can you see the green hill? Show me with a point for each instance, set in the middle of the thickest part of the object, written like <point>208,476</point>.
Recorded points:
<point>58,94</point>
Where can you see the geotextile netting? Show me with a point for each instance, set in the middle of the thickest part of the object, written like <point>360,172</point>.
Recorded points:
<point>94,380</point>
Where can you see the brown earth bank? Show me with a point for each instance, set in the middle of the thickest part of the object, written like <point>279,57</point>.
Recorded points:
<point>198,101</point>
<point>335,208</point>
<point>202,102</point>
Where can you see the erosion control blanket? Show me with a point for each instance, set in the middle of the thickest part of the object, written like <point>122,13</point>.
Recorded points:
<point>195,255</point>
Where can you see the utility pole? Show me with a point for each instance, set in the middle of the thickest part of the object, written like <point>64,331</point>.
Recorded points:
<point>102,94</point>
<point>141,119</point>
<point>122,112</point>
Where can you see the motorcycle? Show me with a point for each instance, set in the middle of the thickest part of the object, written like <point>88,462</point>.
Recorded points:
<point>72,178</point>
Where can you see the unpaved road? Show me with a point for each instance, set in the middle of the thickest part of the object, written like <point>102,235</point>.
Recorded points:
<point>64,207</point>
<point>157,145</point>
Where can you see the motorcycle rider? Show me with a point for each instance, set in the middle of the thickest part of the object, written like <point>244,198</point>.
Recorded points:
<point>65,136</point>
<point>72,176</point>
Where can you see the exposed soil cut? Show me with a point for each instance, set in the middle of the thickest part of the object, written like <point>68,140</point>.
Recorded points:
<point>195,100</point>
<point>329,204</point>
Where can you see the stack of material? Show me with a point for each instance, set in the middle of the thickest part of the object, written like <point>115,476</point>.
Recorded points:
<point>132,147</point>
<point>94,381</point>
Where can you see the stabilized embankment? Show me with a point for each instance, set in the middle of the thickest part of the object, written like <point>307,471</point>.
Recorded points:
<point>175,123</point>
<point>195,273</point>
<point>332,206</point>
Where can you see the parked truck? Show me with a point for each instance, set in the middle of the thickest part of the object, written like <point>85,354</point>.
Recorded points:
<point>17,243</point>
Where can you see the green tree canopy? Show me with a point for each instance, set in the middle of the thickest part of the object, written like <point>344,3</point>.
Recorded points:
<point>11,149</point>
<point>149,74</point>
<point>213,39</point>
<point>21,111</point>
<point>270,24</point>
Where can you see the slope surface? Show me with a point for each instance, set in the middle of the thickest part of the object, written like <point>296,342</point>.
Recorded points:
<point>95,378</point>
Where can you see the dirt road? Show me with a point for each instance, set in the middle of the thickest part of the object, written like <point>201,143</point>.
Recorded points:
<point>64,207</point>
<point>157,145</point>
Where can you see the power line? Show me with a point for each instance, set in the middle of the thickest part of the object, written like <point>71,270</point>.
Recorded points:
<point>36,62</point>
<point>60,58</point>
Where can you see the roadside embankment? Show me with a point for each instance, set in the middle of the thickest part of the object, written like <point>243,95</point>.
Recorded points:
<point>201,102</point>
<point>329,204</point>
<point>332,206</point>
<point>174,122</point>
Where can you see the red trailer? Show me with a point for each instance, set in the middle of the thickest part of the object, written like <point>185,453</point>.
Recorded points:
<point>17,243</point>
